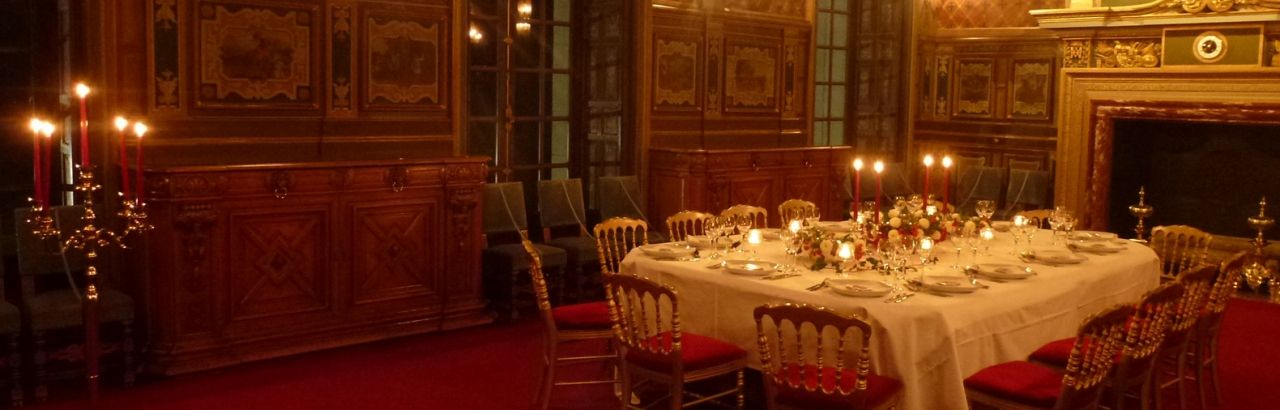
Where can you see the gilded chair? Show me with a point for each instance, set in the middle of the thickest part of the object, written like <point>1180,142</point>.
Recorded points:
<point>620,197</point>
<point>50,305</point>
<point>1145,333</point>
<point>563,214</point>
<point>1204,343</point>
<point>505,226</point>
<point>796,209</point>
<point>1025,385</point>
<point>1179,247</point>
<point>1037,217</point>
<point>817,374</point>
<point>1172,363</point>
<point>615,238</point>
<point>685,223</point>
<point>758,214</point>
<point>976,183</point>
<point>646,326</point>
<point>585,321</point>
<point>1027,189</point>
<point>11,328</point>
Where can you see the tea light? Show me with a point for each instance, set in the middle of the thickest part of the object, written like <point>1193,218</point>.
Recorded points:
<point>794,226</point>
<point>931,209</point>
<point>1019,221</point>
<point>754,237</point>
<point>926,244</point>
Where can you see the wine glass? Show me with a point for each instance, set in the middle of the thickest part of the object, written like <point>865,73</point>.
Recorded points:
<point>791,242</point>
<point>712,228</point>
<point>971,239</point>
<point>916,203</point>
<point>1069,224</point>
<point>985,209</point>
<point>743,223</point>
<point>987,235</point>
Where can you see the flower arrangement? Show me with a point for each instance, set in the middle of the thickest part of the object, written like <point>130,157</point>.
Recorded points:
<point>902,221</point>
<point>820,248</point>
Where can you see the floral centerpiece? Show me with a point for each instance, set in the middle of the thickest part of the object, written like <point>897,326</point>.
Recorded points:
<point>819,248</point>
<point>903,221</point>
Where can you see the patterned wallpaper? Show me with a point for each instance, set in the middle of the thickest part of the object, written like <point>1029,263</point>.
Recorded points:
<point>990,13</point>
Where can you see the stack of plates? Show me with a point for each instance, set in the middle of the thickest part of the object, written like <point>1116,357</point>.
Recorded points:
<point>860,288</point>
<point>836,227</point>
<point>699,241</point>
<point>750,267</point>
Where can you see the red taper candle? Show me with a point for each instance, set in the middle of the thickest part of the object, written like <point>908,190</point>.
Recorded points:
<point>121,125</point>
<point>139,129</point>
<point>82,91</point>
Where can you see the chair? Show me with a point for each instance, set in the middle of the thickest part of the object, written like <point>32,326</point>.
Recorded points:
<point>620,197</point>
<point>561,209</point>
<point>1196,284</point>
<point>1204,342</point>
<point>796,209</point>
<point>1027,189</point>
<point>615,238</point>
<point>1024,385</point>
<point>758,214</point>
<point>1145,333</point>
<point>655,349</point>
<point>808,378</point>
<point>895,183</point>
<point>505,219</point>
<point>47,309</point>
<point>11,327</point>
<point>1037,217</point>
<point>685,223</point>
<point>976,183</point>
<point>586,321</point>
<point>1179,247</point>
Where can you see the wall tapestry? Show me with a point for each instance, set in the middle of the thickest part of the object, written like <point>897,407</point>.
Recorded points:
<point>1031,86</point>
<point>973,87</point>
<point>402,62</point>
<point>251,55</point>
<point>675,80</point>
<point>751,77</point>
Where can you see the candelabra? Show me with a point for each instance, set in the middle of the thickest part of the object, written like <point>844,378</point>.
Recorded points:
<point>1142,211</point>
<point>91,239</point>
<point>1256,272</point>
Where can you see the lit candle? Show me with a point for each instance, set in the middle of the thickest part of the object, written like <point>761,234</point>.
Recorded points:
<point>121,125</point>
<point>946,181</point>
<point>1019,220</point>
<point>36,127</point>
<point>857,185</point>
<point>46,129</point>
<point>879,168</point>
<point>794,226</point>
<point>928,166</point>
<point>754,237</point>
<point>139,129</point>
<point>926,244</point>
<point>846,251</point>
<point>82,91</point>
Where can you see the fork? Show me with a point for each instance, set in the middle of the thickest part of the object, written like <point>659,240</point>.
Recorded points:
<point>821,285</point>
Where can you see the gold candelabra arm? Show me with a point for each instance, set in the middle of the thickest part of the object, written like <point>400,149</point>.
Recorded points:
<point>1142,211</point>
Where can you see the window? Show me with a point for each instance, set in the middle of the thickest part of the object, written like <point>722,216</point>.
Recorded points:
<point>857,85</point>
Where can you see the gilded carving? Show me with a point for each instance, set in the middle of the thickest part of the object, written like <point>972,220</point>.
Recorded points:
<point>255,54</point>
<point>194,223</point>
<point>1031,85</point>
<point>1217,6</point>
<point>187,186</point>
<point>165,54</point>
<point>1275,53</point>
<point>676,77</point>
<point>1075,54</point>
<point>973,87</point>
<point>341,55</point>
<point>942,106</point>
<point>402,61</point>
<point>714,74</point>
<point>1127,54</point>
<point>790,8</point>
<point>751,77</point>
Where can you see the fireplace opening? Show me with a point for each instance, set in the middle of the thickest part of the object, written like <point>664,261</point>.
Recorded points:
<point>1207,175</point>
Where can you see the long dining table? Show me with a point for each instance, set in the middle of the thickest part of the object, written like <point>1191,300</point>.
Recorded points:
<point>931,341</point>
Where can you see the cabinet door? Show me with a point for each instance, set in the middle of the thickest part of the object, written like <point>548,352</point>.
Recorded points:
<point>809,186</point>
<point>750,188</point>
<point>278,266</point>
<point>395,252</point>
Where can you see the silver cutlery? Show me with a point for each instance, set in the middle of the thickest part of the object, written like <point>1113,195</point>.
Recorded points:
<point>819,286</point>
<point>777,276</point>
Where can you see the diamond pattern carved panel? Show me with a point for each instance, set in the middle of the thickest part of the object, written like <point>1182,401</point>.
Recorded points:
<point>279,264</point>
<point>395,251</point>
<point>988,14</point>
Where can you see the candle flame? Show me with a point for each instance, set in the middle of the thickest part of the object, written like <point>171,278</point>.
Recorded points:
<point>846,251</point>
<point>47,128</point>
<point>857,164</point>
<point>36,125</point>
<point>139,129</point>
<point>946,161</point>
<point>754,237</point>
<point>926,243</point>
<point>1019,220</point>
<point>794,226</point>
<point>121,123</point>
<point>879,166</point>
<point>928,160</point>
<point>82,90</point>
<point>987,234</point>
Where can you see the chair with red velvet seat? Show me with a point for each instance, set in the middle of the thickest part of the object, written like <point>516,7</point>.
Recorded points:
<point>646,325</point>
<point>1144,334</point>
<point>1204,343</point>
<point>1025,385</point>
<point>615,238</point>
<point>585,321</point>
<point>814,376</point>
<point>1172,358</point>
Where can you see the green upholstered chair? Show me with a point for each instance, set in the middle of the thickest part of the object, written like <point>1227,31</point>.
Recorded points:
<point>505,225</point>
<point>1028,189</point>
<point>976,183</point>
<point>11,329</point>
<point>563,215</point>
<point>620,197</point>
<point>52,308</point>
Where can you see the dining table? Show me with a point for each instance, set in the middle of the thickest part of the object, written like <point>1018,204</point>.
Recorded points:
<point>930,341</point>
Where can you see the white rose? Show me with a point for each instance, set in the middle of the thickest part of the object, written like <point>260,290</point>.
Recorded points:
<point>924,223</point>
<point>827,246</point>
<point>893,213</point>
<point>919,214</point>
<point>894,222</point>
<point>893,236</point>
<point>937,236</point>
<point>969,226</point>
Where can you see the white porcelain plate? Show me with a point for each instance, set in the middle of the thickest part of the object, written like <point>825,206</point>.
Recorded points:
<point>667,250</point>
<point>860,288</point>
<point>699,241</point>
<point>1090,236</point>
<point>1002,226</point>
<point>836,227</point>
<point>949,284</point>
<point>750,267</point>
<point>1004,271</point>
<point>1099,248</point>
<point>1057,257</point>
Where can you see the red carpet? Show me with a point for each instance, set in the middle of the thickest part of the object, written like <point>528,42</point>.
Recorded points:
<point>494,367</point>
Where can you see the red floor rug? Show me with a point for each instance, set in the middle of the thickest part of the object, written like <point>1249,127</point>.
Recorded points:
<point>495,367</point>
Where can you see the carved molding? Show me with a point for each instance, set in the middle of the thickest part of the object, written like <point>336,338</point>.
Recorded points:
<point>1127,54</point>
<point>1219,6</point>
<point>194,223</point>
<point>1076,53</point>
<point>187,186</point>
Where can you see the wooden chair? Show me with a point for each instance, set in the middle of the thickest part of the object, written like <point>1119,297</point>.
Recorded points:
<point>615,238</point>
<point>760,215</point>
<point>11,328</point>
<point>1204,343</point>
<point>655,349</point>
<point>1172,358</point>
<point>50,305</point>
<point>505,226</point>
<point>1179,248</point>
<point>1037,217</point>
<point>685,223</point>
<point>585,321</point>
<point>621,196</point>
<point>563,214</point>
<point>808,378</point>
<point>1145,333</point>
<point>796,209</point>
<point>1024,385</point>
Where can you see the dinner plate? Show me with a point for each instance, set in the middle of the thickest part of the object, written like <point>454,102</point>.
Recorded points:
<point>1004,271</point>
<point>750,267</point>
<point>699,241</point>
<point>949,284</point>
<point>1093,236</point>
<point>667,250</point>
<point>771,234</point>
<point>1100,248</point>
<point>1002,226</point>
<point>1056,257</point>
<point>836,227</point>
<point>860,288</point>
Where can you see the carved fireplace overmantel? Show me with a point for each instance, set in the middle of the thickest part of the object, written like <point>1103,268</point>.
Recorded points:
<point>1085,14</point>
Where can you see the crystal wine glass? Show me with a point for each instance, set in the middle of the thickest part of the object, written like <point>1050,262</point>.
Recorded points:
<point>743,223</point>
<point>985,209</point>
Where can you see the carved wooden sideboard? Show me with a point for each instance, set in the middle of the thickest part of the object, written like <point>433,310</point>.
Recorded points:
<point>712,180</point>
<point>258,261</point>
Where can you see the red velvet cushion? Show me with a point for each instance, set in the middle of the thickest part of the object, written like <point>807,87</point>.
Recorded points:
<point>1022,382</point>
<point>1055,353</point>
<point>582,316</point>
<point>699,352</point>
<point>879,389</point>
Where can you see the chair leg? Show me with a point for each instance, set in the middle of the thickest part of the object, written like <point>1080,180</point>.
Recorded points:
<point>1145,399</point>
<point>1182,377</point>
<point>42,390</point>
<point>625,396</point>
<point>127,353</point>
<point>513,311</point>
<point>15,371</point>
<point>677,394</point>
<point>548,375</point>
<point>1213,369</point>
<point>741,397</point>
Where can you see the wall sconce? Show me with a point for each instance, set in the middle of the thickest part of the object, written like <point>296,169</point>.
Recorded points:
<point>524,11</point>
<point>476,35</point>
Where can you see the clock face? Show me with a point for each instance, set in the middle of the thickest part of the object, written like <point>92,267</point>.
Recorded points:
<point>1210,47</point>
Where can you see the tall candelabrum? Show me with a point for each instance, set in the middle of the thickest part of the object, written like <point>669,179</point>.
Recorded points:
<point>1142,211</point>
<point>1256,272</point>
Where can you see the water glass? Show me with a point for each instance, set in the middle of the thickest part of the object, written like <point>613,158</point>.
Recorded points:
<point>985,209</point>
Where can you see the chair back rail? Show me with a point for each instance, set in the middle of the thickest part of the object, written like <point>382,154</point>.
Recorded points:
<point>760,215</point>
<point>504,209</point>
<point>560,204</point>
<point>639,324</point>
<point>685,223</point>
<point>812,324</point>
<point>796,209</point>
<point>615,238</point>
<point>1180,247</point>
<point>1145,333</point>
<point>1037,217</point>
<point>539,284</point>
<point>1100,338</point>
<point>1196,284</point>
<point>1229,273</point>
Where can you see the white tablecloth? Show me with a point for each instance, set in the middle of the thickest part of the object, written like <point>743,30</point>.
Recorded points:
<point>930,343</point>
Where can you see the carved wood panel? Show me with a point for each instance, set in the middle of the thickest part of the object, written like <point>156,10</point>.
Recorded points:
<point>755,188</point>
<point>392,250</point>
<point>279,263</point>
